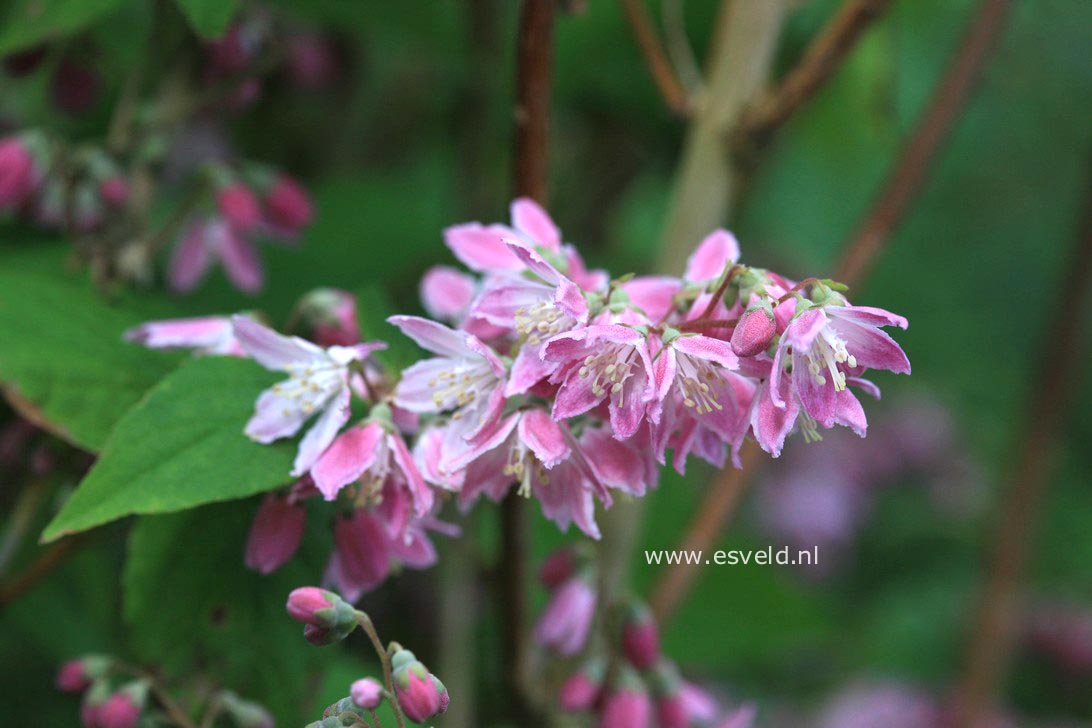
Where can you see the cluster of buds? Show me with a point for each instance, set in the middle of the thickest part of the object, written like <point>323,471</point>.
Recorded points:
<point>623,679</point>
<point>61,188</point>
<point>412,690</point>
<point>561,383</point>
<point>222,226</point>
<point>115,695</point>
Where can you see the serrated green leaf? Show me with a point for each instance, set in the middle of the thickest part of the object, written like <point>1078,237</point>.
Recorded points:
<point>29,22</point>
<point>182,446</point>
<point>188,598</point>
<point>61,353</point>
<point>209,18</point>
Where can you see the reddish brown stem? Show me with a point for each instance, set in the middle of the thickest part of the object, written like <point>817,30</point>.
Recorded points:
<point>994,632</point>
<point>820,61</point>
<point>707,323</point>
<point>933,127</point>
<point>659,66</point>
<point>719,293</point>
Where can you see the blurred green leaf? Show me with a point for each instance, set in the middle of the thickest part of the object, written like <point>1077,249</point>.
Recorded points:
<point>209,18</point>
<point>61,351</point>
<point>28,22</point>
<point>373,308</point>
<point>189,598</point>
<point>181,447</point>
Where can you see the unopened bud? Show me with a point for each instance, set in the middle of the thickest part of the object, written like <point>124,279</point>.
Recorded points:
<point>239,206</point>
<point>641,639</point>
<point>628,705</point>
<point>123,708</point>
<point>366,693</point>
<point>753,332</point>
<point>275,534</point>
<point>75,676</point>
<point>420,694</point>
<point>287,205</point>
<point>581,691</point>
<point>328,317</point>
<point>557,568</point>
<point>114,191</point>
<point>326,616</point>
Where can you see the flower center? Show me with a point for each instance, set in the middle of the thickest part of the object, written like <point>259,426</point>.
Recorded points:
<point>460,386</point>
<point>311,385</point>
<point>539,321</point>
<point>827,352</point>
<point>522,465</point>
<point>608,370</point>
<point>698,383</point>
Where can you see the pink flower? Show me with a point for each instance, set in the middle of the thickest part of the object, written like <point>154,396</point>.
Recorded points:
<point>466,379</point>
<point>671,712</point>
<point>275,534</point>
<point>627,707</point>
<point>712,256</point>
<point>362,559</point>
<point>483,248</point>
<point>567,619</point>
<point>602,362</point>
<point>888,704</point>
<point>206,240</point>
<point>318,383</point>
<point>239,206</point>
<point>288,207</point>
<point>371,453</point>
<point>19,177</point>
<point>367,693</point>
<point>745,717</point>
<point>447,293</point>
<point>535,310</point>
<point>206,335</point>
<point>114,191</point>
<point>312,60</point>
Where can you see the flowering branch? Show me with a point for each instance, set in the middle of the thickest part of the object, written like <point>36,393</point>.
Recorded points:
<point>656,58</point>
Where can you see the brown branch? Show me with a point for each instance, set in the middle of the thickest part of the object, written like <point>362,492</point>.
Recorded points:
<point>996,619</point>
<point>933,127</point>
<point>822,58</point>
<point>47,561</point>
<point>656,58</point>
<point>533,89</point>
<point>722,499</point>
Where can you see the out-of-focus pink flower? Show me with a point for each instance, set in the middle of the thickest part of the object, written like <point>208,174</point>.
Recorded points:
<point>362,559</point>
<point>641,639</point>
<point>318,383</point>
<point>231,53</point>
<point>420,694</point>
<point>1063,634</point>
<point>123,708</point>
<point>114,191</point>
<point>581,691</point>
<point>467,378</point>
<point>745,717</point>
<point>75,86</point>
<point>214,239</point>
<point>566,621</point>
<point>888,704</point>
<point>288,207</point>
<point>627,707</point>
<point>239,206</point>
<point>19,177</point>
<point>447,293</point>
<point>711,257</point>
<point>311,59</point>
<point>205,335</point>
<point>367,693</point>
<point>75,676</point>
<point>275,534</point>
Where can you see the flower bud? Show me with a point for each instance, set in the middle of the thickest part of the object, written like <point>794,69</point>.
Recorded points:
<point>366,693</point>
<point>18,173</point>
<point>641,639</point>
<point>557,568</point>
<point>328,317</point>
<point>114,191</point>
<point>275,534</point>
<point>420,694</point>
<point>246,713</point>
<point>92,703</point>
<point>671,712</point>
<point>326,616</point>
<point>239,206</point>
<point>287,206</point>
<point>628,706</point>
<point>581,691</point>
<point>565,623</point>
<point>75,676</point>
<point>123,708</point>
<point>754,332</point>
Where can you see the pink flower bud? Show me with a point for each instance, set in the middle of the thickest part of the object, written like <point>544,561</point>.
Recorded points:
<point>75,676</point>
<point>420,694</point>
<point>328,317</point>
<point>557,568</point>
<point>628,707</point>
<point>565,623</point>
<point>326,616</point>
<point>671,712</point>
<point>753,332</point>
<point>287,206</point>
<point>119,711</point>
<point>18,177</point>
<point>275,534</point>
<point>581,691</point>
<point>239,206</point>
<point>114,191</point>
<point>641,640</point>
<point>75,87</point>
<point>366,693</point>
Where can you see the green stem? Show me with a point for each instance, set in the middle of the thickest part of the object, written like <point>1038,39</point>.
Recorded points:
<point>365,623</point>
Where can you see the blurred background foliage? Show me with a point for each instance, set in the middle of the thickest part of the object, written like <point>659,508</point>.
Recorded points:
<point>414,135</point>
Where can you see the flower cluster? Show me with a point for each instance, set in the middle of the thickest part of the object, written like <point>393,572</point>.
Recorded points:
<point>550,378</point>
<point>412,690</point>
<point>623,678</point>
<point>116,695</point>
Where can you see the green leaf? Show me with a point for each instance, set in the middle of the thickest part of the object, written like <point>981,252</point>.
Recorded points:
<point>181,447</point>
<point>373,308</point>
<point>209,18</point>
<point>62,356</point>
<point>188,599</point>
<point>28,22</point>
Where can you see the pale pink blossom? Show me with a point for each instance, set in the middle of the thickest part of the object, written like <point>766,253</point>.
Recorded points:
<point>318,383</point>
<point>447,293</point>
<point>209,240</point>
<point>205,335</point>
<point>566,622</point>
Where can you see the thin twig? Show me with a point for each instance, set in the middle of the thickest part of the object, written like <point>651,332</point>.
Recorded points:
<point>722,499</point>
<point>679,49</point>
<point>174,710</point>
<point>823,57</point>
<point>933,127</point>
<point>997,615</point>
<point>41,567</point>
<point>659,66</point>
<point>384,656</point>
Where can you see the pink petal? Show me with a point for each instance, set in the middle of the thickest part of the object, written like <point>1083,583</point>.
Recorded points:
<point>771,424</point>
<point>275,416</point>
<point>707,348</point>
<point>867,315</point>
<point>349,457</point>
<point>270,349</point>
<point>240,260</point>
<point>801,332</point>
<point>415,550</point>
<point>816,399</point>
<point>363,550</point>
<point>482,248</point>
<point>489,439</point>
<point>849,412</point>
<point>275,534</point>
<point>655,295</point>
<point>415,389</point>
<point>322,433</point>
<point>190,260</point>
<point>527,370</point>
<point>203,332</point>
<point>446,292</point>
<point>872,347</point>
<point>543,436</point>
<point>711,256</point>
<point>432,336</point>
<point>422,495</point>
<point>529,218</point>
<point>615,462</point>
